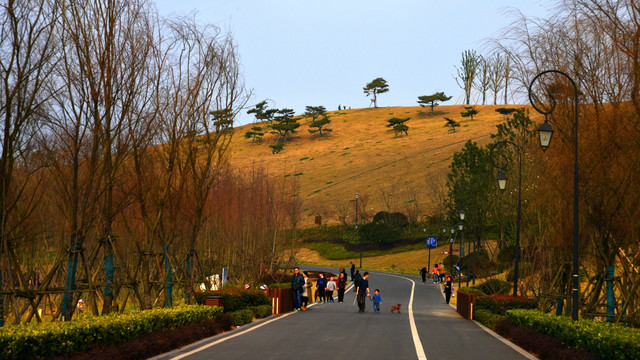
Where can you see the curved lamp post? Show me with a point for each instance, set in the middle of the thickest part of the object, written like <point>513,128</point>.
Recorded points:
<point>502,184</point>
<point>460,227</point>
<point>546,132</point>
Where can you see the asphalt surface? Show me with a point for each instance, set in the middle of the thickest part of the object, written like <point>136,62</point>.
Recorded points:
<point>434,331</point>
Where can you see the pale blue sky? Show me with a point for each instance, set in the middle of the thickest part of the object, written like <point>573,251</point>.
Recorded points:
<point>299,53</point>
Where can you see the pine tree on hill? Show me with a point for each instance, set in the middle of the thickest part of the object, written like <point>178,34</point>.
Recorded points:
<point>452,124</point>
<point>398,125</point>
<point>314,112</point>
<point>284,124</point>
<point>469,111</point>
<point>318,125</point>
<point>255,133</point>
<point>433,100</point>
<point>375,87</point>
<point>261,112</point>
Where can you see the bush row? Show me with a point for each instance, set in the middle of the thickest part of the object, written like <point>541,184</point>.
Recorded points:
<point>235,299</point>
<point>607,340</point>
<point>487,318</point>
<point>499,304</point>
<point>52,339</point>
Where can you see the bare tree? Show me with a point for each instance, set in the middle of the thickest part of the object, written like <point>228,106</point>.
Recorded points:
<point>467,72</point>
<point>483,77</point>
<point>496,75</point>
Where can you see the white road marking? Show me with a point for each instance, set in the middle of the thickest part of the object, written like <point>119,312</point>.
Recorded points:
<point>182,356</point>
<point>412,323</point>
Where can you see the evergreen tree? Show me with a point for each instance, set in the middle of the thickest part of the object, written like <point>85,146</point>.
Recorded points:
<point>375,87</point>
<point>432,100</point>
<point>452,124</point>
<point>255,133</point>
<point>319,124</point>
<point>506,111</point>
<point>284,124</point>
<point>469,111</point>
<point>314,112</point>
<point>277,147</point>
<point>261,112</point>
<point>398,125</point>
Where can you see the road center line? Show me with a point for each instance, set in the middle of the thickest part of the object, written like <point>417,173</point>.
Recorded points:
<point>412,322</point>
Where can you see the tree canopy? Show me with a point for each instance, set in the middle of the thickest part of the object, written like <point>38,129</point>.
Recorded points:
<point>398,125</point>
<point>452,124</point>
<point>375,87</point>
<point>433,100</point>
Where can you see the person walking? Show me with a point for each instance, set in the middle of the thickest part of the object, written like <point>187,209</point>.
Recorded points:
<point>441,272</point>
<point>423,273</point>
<point>331,287</point>
<point>297,285</point>
<point>342,285</point>
<point>377,300</point>
<point>362,293</point>
<point>321,285</point>
<point>434,272</point>
<point>356,279</point>
<point>353,271</point>
<point>448,289</point>
<point>306,291</point>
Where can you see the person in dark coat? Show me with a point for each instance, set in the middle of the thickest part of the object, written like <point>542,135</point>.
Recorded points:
<point>423,273</point>
<point>448,289</point>
<point>321,285</point>
<point>342,284</point>
<point>362,293</point>
<point>297,285</point>
<point>353,271</point>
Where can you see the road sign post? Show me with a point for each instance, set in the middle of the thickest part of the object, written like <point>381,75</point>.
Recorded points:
<point>432,242</point>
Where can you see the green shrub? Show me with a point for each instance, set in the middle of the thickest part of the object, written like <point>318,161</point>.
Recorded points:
<point>261,311</point>
<point>445,262</point>
<point>241,317</point>
<point>280,285</point>
<point>470,290</point>
<point>43,340</point>
<point>495,286</point>
<point>499,304</point>
<point>607,340</point>
<point>505,257</point>
<point>376,233</point>
<point>487,318</point>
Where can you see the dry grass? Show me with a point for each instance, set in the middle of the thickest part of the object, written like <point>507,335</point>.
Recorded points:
<point>363,155</point>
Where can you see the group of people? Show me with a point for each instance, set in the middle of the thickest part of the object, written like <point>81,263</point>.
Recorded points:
<point>437,271</point>
<point>302,285</point>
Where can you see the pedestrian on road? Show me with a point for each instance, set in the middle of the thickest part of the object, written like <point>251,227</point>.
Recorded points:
<point>331,287</point>
<point>362,293</point>
<point>297,285</point>
<point>353,271</point>
<point>306,291</point>
<point>441,272</point>
<point>434,272</point>
<point>423,273</point>
<point>321,285</point>
<point>342,271</point>
<point>448,289</point>
<point>377,300</point>
<point>342,285</point>
<point>356,279</point>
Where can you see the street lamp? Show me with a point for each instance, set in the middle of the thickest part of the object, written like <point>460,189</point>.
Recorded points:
<point>546,132</point>
<point>453,230</point>
<point>357,231</point>
<point>460,227</point>
<point>502,184</point>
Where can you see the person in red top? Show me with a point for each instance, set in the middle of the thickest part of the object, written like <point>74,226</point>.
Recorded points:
<point>434,272</point>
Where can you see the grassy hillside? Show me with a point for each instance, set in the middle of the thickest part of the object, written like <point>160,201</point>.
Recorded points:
<point>363,155</point>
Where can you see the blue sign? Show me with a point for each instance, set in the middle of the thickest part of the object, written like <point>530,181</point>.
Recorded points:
<point>432,241</point>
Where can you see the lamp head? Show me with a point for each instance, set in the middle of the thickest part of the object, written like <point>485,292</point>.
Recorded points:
<point>502,181</point>
<point>546,132</point>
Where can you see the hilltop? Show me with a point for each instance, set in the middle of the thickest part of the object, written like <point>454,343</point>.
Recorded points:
<point>363,155</point>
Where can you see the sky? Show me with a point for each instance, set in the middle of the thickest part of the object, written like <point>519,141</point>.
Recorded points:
<point>296,53</point>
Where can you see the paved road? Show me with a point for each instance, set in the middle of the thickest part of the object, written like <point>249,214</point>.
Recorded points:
<point>427,329</point>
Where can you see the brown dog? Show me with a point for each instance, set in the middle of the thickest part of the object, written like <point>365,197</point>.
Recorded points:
<point>395,307</point>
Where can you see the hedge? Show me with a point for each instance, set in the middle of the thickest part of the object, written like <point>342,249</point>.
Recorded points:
<point>487,318</point>
<point>241,317</point>
<point>495,286</point>
<point>609,341</point>
<point>499,304</point>
<point>470,290</point>
<point>42,340</point>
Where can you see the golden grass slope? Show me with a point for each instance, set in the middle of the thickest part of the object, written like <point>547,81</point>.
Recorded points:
<point>363,155</point>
